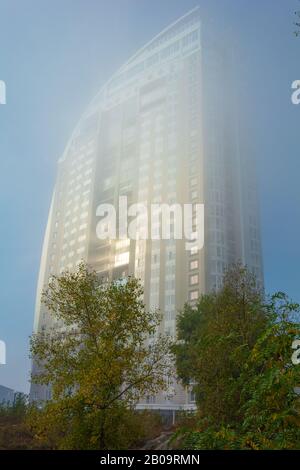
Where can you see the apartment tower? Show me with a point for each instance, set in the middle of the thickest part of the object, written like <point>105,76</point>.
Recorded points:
<point>164,129</point>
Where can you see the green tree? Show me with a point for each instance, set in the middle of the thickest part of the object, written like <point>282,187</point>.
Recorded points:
<point>14,433</point>
<point>271,382</point>
<point>103,355</point>
<point>237,347</point>
<point>215,340</point>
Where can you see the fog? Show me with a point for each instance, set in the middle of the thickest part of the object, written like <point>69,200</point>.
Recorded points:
<point>54,58</point>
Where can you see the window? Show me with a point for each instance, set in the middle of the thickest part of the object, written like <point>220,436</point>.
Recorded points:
<point>194,295</point>
<point>194,264</point>
<point>107,183</point>
<point>194,250</point>
<point>122,258</point>
<point>192,396</point>
<point>194,279</point>
<point>122,243</point>
<point>150,399</point>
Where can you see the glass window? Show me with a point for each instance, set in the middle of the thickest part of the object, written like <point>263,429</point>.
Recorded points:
<point>194,264</point>
<point>194,279</point>
<point>194,295</point>
<point>122,258</point>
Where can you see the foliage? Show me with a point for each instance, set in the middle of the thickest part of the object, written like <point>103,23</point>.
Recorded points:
<point>20,420</point>
<point>237,348</point>
<point>15,410</point>
<point>105,355</point>
<point>215,340</point>
<point>271,404</point>
<point>14,433</point>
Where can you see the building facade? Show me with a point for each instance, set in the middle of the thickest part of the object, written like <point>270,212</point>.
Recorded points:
<point>7,395</point>
<point>162,130</point>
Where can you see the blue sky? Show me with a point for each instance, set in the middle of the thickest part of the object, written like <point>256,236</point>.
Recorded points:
<point>54,57</point>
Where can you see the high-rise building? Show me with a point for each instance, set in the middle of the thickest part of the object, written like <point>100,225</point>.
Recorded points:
<point>164,129</point>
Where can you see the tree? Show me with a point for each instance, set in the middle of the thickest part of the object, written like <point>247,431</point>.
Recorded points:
<point>238,352</point>
<point>271,418</point>
<point>215,340</point>
<point>14,433</point>
<point>103,358</point>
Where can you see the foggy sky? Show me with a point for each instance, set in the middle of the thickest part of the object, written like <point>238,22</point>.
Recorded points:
<point>54,57</point>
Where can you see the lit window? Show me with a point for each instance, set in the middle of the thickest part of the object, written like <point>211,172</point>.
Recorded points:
<point>194,250</point>
<point>194,279</point>
<point>194,295</point>
<point>194,264</point>
<point>122,258</point>
<point>122,243</point>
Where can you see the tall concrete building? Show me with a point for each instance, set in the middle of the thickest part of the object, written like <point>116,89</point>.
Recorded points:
<point>164,129</point>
